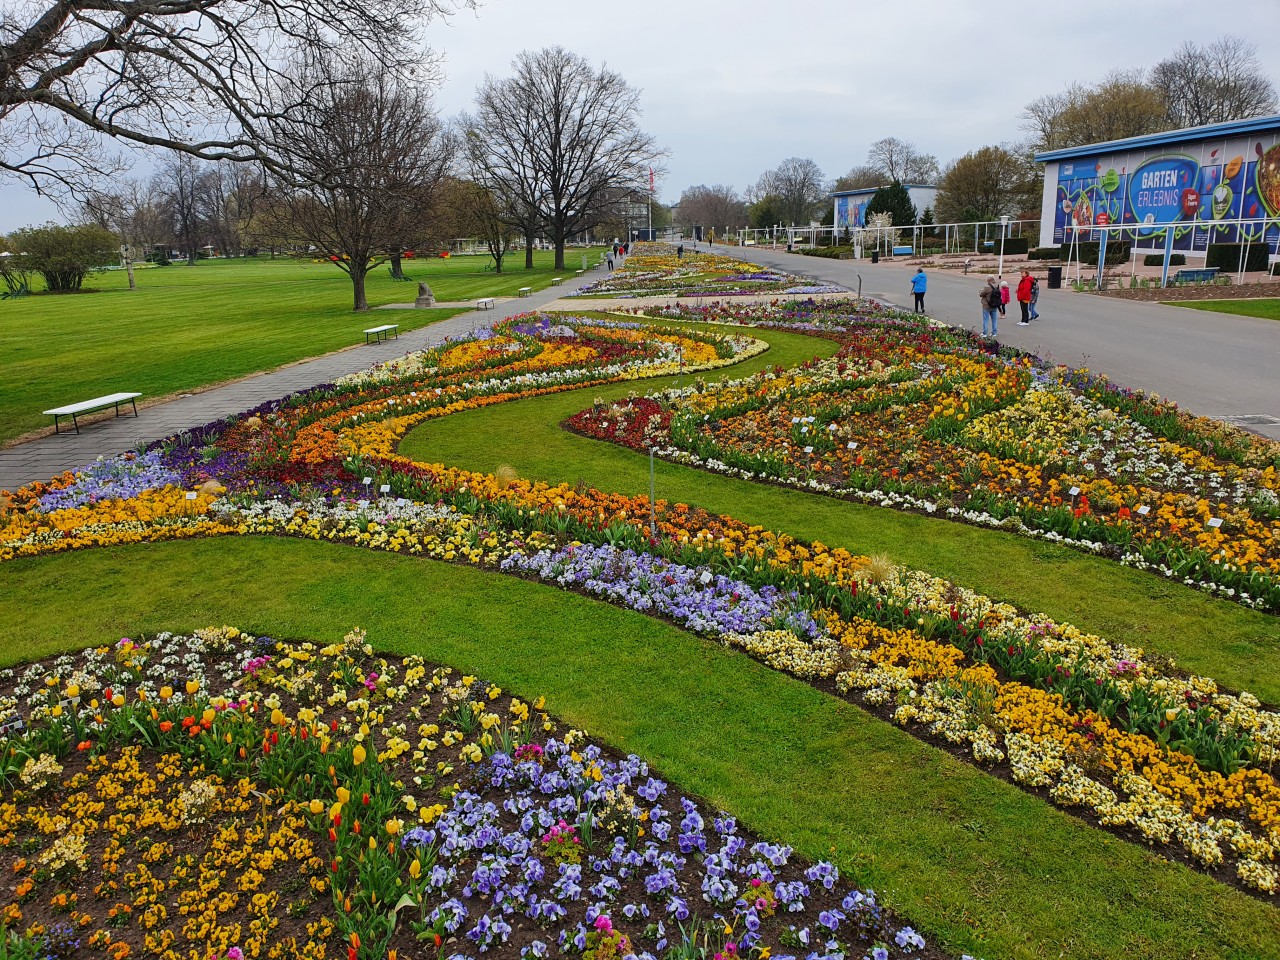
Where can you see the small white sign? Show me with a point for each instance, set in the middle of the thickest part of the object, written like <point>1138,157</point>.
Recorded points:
<point>831,427</point>
<point>367,480</point>
<point>808,449</point>
<point>852,445</point>
<point>192,495</point>
<point>1143,510</point>
<point>1073,491</point>
<point>385,488</point>
<point>1215,522</point>
<point>795,420</point>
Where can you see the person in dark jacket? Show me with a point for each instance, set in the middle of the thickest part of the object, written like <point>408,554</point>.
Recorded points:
<point>990,297</point>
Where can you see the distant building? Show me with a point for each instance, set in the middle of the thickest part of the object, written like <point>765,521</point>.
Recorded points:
<point>851,205</point>
<point>1213,184</point>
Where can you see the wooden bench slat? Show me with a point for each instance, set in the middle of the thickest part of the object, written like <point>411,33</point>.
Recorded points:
<point>84,405</point>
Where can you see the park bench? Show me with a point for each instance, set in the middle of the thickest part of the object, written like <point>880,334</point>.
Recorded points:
<point>556,281</point>
<point>484,303</point>
<point>903,251</point>
<point>73,410</point>
<point>578,273</point>
<point>381,333</point>
<point>1201,275</point>
<point>526,291</point>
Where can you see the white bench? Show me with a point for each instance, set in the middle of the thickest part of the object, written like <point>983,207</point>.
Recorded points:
<point>73,410</point>
<point>381,333</point>
<point>556,281</point>
<point>484,303</point>
<point>526,291</point>
<point>578,273</point>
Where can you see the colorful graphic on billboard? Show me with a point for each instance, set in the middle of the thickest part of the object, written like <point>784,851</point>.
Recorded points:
<point>851,210</point>
<point>1197,190</point>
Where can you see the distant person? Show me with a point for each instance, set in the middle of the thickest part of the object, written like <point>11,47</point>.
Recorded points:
<point>990,298</point>
<point>1035,297</point>
<point>1024,297</point>
<point>918,284</point>
<point>1004,296</point>
<point>610,259</point>
<point>680,252</point>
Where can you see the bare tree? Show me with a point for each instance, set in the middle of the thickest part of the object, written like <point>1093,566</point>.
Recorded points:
<point>714,207</point>
<point>199,76</point>
<point>1123,105</point>
<point>861,178</point>
<point>180,180</point>
<point>133,210</point>
<point>556,136</point>
<point>479,212</point>
<point>797,189</point>
<point>1214,84</point>
<point>984,184</point>
<point>902,161</point>
<point>372,153</point>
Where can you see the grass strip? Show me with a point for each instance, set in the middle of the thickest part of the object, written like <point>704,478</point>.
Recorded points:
<point>974,862</point>
<point>1215,638</point>
<point>1265,308</point>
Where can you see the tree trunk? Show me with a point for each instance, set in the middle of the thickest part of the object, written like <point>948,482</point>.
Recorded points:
<point>528,251</point>
<point>498,254</point>
<point>560,252</point>
<point>357,289</point>
<point>396,272</point>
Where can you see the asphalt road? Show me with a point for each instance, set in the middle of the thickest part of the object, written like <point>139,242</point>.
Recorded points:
<point>1213,364</point>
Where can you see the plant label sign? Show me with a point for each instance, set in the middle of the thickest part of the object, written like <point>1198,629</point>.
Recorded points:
<point>1143,510</point>
<point>192,495</point>
<point>1215,522</point>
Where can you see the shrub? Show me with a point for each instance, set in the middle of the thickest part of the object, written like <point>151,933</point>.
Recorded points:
<point>1043,253</point>
<point>1117,252</point>
<point>1226,256</point>
<point>1156,259</point>
<point>1015,245</point>
<point>64,256</point>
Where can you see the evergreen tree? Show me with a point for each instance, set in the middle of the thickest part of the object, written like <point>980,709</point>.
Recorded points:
<point>895,201</point>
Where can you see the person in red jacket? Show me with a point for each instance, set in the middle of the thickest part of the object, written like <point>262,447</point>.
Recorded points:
<point>1024,297</point>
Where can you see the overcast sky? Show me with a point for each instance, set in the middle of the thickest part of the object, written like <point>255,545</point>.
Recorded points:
<point>733,88</point>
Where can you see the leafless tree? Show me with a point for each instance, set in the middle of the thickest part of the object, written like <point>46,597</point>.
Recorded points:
<point>133,210</point>
<point>1214,84</point>
<point>556,136</point>
<point>181,181</point>
<point>371,153</point>
<point>479,212</point>
<point>861,178</point>
<point>797,188</point>
<point>714,207</point>
<point>199,76</point>
<point>902,161</point>
<point>1124,104</point>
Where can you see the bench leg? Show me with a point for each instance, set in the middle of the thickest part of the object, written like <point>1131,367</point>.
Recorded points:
<point>75,422</point>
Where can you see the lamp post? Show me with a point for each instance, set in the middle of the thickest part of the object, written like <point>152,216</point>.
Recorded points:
<point>1004,226</point>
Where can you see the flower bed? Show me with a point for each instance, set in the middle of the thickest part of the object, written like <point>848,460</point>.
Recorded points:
<point>919,417</point>
<point>224,795</point>
<point>655,270</point>
<point>1131,741</point>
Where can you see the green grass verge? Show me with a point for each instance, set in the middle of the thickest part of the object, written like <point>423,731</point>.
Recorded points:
<point>1237,647</point>
<point>188,327</point>
<point>1267,309</point>
<point>975,862</point>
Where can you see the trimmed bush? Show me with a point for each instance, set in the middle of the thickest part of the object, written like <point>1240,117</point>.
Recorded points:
<point>1156,259</point>
<point>1015,245</point>
<point>1117,252</point>
<point>1226,256</point>
<point>1043,253</point>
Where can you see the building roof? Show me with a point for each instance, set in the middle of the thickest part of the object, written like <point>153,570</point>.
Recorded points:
<point>1212,131</point>
<point>909,186</point>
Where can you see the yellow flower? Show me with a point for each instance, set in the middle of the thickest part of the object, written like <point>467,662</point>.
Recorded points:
<point>166,692</point>
<point>358,755</point>
<point>344,795</point>
<point>73,690</point>
<point>317,807</point>
<point>118,700</point>
<point>193,687</point>
<point>278,717</point>
<point>393,826</point>
<point>415,869</point>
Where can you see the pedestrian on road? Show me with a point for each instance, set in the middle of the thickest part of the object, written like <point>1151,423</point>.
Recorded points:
<point>1024,297</point>
<point>1035,297</point>
<point>918,284</point>
<point>990,298</point>
<point>610,260</point>
<point>1004,296</point>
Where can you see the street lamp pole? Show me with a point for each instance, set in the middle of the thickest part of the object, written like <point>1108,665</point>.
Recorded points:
<point>1004,227</point>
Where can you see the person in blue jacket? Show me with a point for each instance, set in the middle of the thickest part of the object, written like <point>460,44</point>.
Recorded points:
<point>918,284</point>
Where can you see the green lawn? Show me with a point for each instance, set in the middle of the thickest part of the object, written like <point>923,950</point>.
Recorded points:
<point>188,327</point>
<point>1237,647</point>
<point>1267,309</point>
<point>974,862</point>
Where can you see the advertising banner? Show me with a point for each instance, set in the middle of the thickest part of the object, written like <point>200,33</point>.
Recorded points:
<point>1194,189</point>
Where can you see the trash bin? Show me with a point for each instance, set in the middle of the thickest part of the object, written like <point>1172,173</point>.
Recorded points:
<point>1055,278</point>
<point>875,256</point>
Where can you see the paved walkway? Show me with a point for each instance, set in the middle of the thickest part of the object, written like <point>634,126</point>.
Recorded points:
<point>1213,364</point>
<point>48,456</point>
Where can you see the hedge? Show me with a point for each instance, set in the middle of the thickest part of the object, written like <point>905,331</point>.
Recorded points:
<point>1043,253</point>
<point>1087,252</point>
<point>1156,259</point>
<point>1226,256</point>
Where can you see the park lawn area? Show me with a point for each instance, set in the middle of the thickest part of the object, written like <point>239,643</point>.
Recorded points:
<point>972,861</point>
<point>185,328</point>
<point>1236,646</point>
<point>1267,308</point>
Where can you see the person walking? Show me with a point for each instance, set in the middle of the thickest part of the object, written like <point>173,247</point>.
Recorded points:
<point>1035,297</point>
<point>610,259</point>
<point>990,299</point>
<point>1024,297</point>
<point>918,284</point>
<point>680,252</point>
<point>1004,296</point>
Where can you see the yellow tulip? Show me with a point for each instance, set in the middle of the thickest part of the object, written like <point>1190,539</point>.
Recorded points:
<point>208,716</point>
<point>193,687</point>
<point>344,795</point>
<point>278,717</point>
<point>358,755</point>
<point>317,807</point>
<point>393,826</point>
<point>118,700</point>
<point>73,690</point>
<point>415,869</point>
<point>166,693</point>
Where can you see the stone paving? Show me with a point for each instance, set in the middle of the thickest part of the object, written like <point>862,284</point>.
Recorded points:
<point>48,456</point>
